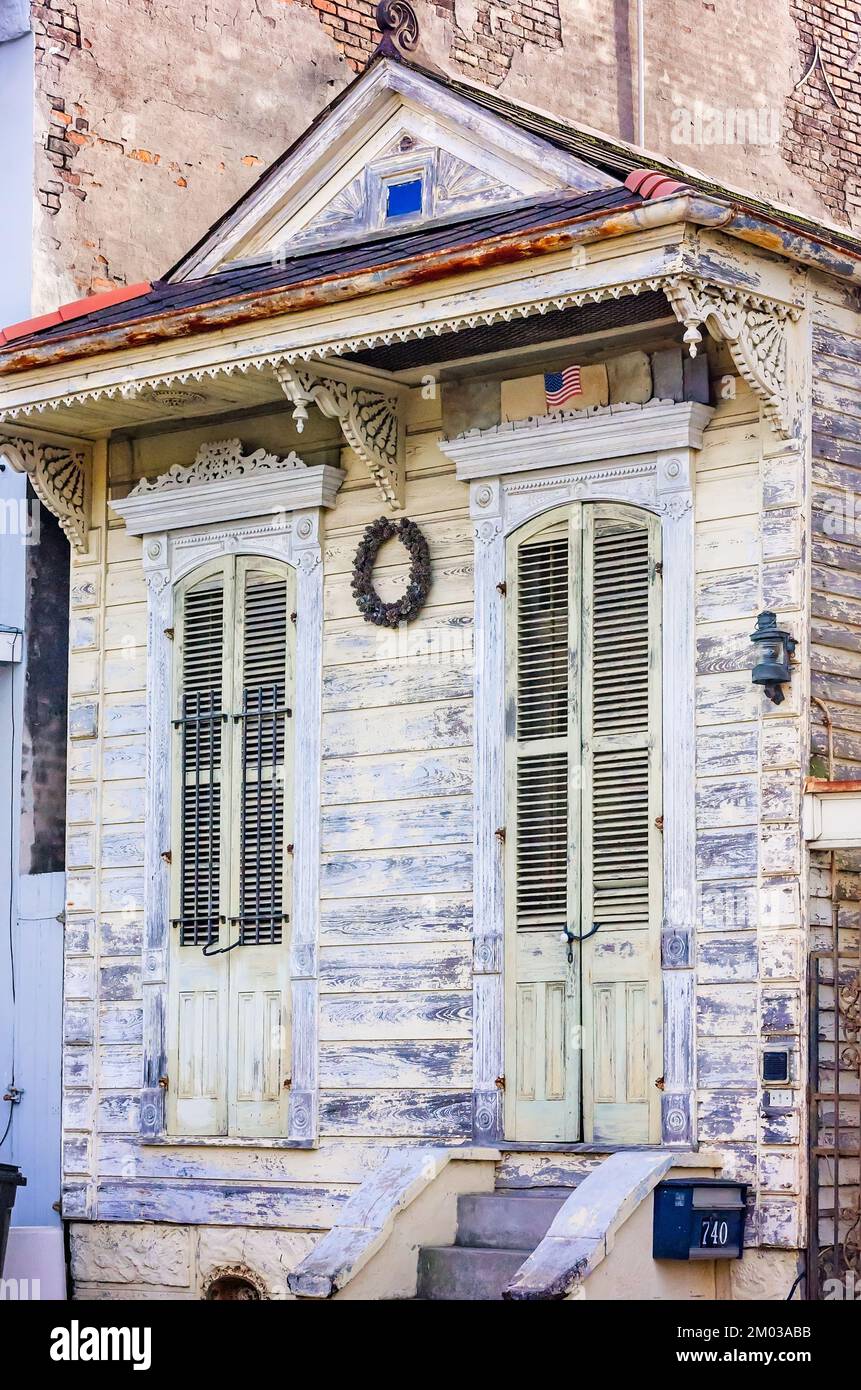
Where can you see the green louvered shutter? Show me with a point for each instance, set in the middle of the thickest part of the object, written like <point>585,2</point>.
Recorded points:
<point>197,1021</point>
<point>583,780</point>
<point>543,750</point>
<point>229,1004</point>
<point>621,837</point>
<point>263,732</point>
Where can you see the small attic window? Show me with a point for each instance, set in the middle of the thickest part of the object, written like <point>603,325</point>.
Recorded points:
<point>403,198</point>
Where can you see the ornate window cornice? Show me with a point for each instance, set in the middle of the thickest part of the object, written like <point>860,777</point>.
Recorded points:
<point>224,485</point>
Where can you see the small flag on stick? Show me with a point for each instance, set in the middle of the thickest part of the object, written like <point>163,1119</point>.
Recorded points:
<point>559,387</point>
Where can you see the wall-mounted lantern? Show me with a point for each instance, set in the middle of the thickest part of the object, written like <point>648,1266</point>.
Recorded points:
<point>772,669</point>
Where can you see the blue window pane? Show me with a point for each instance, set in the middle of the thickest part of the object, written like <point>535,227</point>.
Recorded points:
<point>404,198</point>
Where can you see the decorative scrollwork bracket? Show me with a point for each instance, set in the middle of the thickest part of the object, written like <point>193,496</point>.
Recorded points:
<point>58,474</point>
<point>754,329</point>
<point>369,421</point>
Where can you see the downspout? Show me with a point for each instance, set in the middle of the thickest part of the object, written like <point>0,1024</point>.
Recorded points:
<point>641,74</point>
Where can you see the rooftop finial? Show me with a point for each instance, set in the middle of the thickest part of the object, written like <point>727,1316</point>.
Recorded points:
<point>397,22</point>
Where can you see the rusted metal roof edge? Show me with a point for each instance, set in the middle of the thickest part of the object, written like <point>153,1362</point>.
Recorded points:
<point>509,248</point>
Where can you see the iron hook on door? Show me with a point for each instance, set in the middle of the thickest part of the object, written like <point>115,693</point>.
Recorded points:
<point>570,936</point>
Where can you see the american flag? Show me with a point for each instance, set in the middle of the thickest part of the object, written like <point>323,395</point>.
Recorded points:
<point>559,387</point>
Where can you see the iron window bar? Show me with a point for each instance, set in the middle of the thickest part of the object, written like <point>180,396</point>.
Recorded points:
<point>201,721</point>
<point>261,916</point>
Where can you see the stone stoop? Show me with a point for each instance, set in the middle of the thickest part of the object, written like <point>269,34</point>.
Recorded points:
<point>497,1231</point>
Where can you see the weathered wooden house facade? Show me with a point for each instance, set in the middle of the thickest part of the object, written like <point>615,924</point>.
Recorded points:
<point>375,932</point>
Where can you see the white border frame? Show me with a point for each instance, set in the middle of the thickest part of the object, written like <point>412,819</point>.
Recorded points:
<point>169,554</point>
<point>516,472</point>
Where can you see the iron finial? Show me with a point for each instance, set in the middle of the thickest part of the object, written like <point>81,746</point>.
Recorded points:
<point>399,26</point>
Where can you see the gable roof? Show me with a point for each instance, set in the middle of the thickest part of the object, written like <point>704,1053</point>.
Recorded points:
<point>387,94</point>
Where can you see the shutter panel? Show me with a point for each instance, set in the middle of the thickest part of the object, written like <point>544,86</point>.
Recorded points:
<point>543,1003</point>
<point>263,733</point>
<point>542,715</point>
<point>197,1015</point>
<point>621,843</point>
<point>200,725</point>
<point>263,717</point>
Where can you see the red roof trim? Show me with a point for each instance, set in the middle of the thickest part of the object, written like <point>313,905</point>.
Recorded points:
<point>79,307</point>
<point>650,183</point>
<point>75,309</point>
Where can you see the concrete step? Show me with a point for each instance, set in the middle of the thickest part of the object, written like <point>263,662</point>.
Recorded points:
<point>456,1273</point>
<point>505,1221</point>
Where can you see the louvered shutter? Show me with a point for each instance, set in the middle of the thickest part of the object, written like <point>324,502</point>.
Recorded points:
<point>544,748</point>
<point>197,1092</point>
<point>263,732</point>
<point>621,840</point>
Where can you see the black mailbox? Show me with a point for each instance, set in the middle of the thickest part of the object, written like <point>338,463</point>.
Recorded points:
<point>699,1219</point>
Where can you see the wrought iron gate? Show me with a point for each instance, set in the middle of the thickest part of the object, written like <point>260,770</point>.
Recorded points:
<point>834,1254</point>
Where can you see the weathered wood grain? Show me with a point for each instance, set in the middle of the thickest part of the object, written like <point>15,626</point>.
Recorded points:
<point>431,869</point>
<point>380,684</point>
<point>199,1203</point>
<point>443,821</point>
<point>413,728</point>
<point>422,966</point>
<point>415,1064</point>
<point>431,917</point>
<point>422,1114</point>
<point>438,1014</point>
<point>395,776</point>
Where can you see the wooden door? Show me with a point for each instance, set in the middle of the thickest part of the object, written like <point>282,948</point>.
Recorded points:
<point>583,844</point>
<point>229,996</point>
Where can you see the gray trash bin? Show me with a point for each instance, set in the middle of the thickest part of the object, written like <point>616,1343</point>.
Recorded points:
<point>10,1180</point>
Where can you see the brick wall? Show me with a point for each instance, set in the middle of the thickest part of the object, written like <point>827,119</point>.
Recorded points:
<point>483,48</point>
<point>151,119</point>
<point>822,136</point>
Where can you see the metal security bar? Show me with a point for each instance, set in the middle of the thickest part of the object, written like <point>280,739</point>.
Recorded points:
<point>834,1256</point>
<point>201,731</point>
<point>261,887</point>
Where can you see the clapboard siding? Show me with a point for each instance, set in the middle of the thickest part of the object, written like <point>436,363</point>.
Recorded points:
<point>835,653</point>
<point>750,555</point>
<point>395,961</point>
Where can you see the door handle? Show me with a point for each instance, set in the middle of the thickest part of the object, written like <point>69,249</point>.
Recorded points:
<point>570,936</point>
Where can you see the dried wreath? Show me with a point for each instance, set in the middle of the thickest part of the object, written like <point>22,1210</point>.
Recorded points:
<point>368,601</point>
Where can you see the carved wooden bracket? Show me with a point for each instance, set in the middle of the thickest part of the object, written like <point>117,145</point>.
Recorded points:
<point>58,474</point>
<point>754,329</point>
<point>369,422</point>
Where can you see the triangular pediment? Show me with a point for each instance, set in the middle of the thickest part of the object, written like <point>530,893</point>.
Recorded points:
<point>397,149</point>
